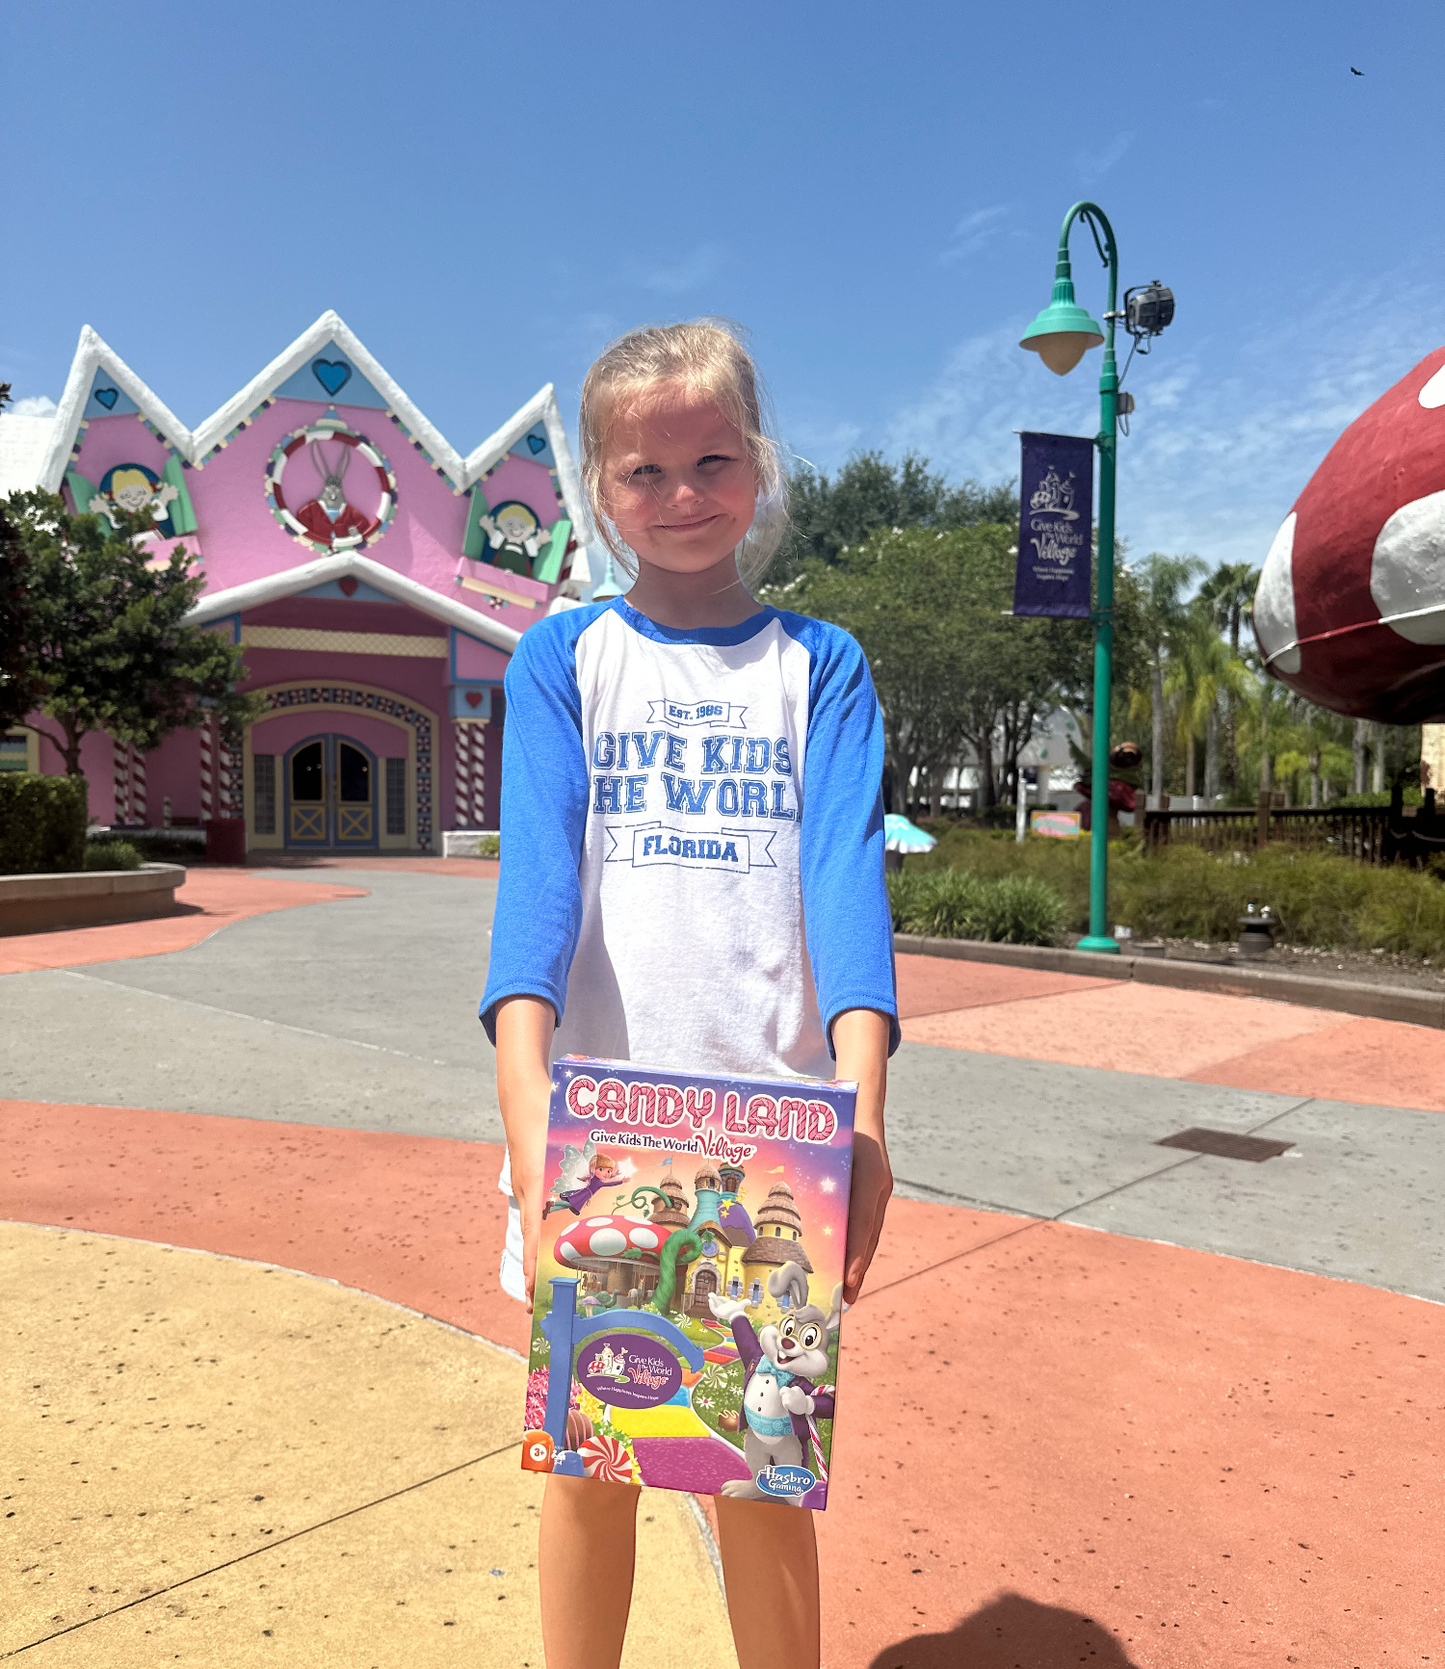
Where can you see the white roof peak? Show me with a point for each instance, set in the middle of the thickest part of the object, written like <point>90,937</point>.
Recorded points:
<point>93,352</point>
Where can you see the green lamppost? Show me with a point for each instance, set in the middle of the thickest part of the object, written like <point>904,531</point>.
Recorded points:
<point>1060,336</point>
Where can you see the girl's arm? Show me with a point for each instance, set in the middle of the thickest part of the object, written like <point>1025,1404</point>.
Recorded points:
<point>860,1043</point>
<point>524,1088</point>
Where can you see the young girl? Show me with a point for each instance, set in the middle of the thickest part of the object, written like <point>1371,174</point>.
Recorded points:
<point>686,708</point>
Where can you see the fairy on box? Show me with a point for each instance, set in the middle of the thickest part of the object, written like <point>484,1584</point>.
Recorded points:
<point>584,1172</point>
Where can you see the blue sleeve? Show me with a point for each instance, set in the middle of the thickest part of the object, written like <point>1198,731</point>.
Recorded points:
<point>544,811</point>
<point>845,897</point>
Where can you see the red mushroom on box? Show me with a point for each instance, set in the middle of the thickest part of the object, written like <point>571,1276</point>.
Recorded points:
<point>602,1244</point>
<point>1350,609</point>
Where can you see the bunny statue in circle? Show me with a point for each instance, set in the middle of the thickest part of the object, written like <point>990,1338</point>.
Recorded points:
<point>782,1365</point>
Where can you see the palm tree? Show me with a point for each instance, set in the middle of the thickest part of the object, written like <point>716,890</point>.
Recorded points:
<point>1203,676</point>
<point>1228,594</point>
<point>1163,582</point>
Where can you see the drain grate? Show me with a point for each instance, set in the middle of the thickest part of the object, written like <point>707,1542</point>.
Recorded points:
<point>1226,1144</point>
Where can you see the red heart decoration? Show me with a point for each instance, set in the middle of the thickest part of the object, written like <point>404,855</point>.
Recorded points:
<point>474,698</point>
<point>348,585</point>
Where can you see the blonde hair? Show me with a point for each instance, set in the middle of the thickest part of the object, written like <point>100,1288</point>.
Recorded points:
<point>705,356</point>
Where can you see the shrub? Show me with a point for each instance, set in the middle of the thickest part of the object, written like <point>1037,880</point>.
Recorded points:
<point>163,846</point>
<point>956,904</point>
<point>42,823</point>
<point>1413,796</point>
<point>1186,893</point>
<point>111,854</point>
<point>489,846</point>
<point>1321,898</point>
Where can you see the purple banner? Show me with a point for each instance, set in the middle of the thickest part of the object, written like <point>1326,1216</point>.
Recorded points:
<point>1056,503</point>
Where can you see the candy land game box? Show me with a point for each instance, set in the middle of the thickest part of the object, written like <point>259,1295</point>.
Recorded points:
<point>689,1281</point>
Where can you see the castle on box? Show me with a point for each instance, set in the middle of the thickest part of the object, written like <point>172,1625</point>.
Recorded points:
<point>690,1343</point>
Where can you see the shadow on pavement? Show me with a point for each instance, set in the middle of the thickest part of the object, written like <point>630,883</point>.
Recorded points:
<point>1011,1632</point>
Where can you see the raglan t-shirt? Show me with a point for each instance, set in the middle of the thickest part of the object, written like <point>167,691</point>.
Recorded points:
<point>692,840</point>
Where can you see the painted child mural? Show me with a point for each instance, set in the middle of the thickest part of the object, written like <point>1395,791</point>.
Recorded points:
<point>133,488</point>
<point>515,537</point>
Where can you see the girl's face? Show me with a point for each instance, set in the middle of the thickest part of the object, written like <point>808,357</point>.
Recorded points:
<point>678,482</point>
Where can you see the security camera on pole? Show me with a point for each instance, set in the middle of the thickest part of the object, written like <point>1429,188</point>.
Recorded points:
<point>1053,568</point>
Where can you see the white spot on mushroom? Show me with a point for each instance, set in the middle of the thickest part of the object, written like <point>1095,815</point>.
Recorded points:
<point>607,1243</point>
<point>597,1222</point>
<point>1432,395</point>
<point>1407,570</point>
<point>1274,616</point>
<point>567,1251</point>
<point>644,1237</point>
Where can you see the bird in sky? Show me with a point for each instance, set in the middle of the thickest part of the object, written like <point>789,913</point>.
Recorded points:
<point>1354,71</point>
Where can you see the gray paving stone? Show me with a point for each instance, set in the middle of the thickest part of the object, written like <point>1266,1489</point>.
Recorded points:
<point>362,1013</point>
<point>1031,1136</point>
<point>1360,1196</point>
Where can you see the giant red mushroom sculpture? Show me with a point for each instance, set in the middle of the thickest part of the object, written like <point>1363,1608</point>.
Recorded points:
<point>1350,609</point>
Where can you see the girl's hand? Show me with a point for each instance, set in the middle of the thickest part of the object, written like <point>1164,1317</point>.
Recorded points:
<point>872,1188</point>
<point>860,1044</point>
<point>524,1089</point>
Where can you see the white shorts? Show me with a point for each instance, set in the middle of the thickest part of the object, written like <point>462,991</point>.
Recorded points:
<point>513,1281</point>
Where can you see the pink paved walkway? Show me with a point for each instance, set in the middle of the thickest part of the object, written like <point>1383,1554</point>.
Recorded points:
<point>210,898</point>
<point>1059,1446</point>
<point>1241,1041</point>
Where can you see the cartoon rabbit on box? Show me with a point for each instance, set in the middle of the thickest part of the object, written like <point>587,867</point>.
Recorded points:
<point>782,1367</point>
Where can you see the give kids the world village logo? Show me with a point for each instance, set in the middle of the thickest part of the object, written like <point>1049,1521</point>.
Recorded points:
<point>693,801</point>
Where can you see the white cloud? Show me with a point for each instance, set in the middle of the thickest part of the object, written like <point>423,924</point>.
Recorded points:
<point>974,232</point>
<point>34,405</point>
<point>1093,165</point>
<point>1227,431</point>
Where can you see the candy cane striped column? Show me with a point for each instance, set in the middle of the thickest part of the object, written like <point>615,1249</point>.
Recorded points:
<point>207,772</point>
<point>463,795</point>
<point>228,774</point>
<point>138,785</point>
<point>120,771</point>
<point>479,775</point>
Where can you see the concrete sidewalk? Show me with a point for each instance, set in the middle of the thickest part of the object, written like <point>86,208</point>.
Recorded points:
<point>1058,1445</point>
<point>1089,1440</point>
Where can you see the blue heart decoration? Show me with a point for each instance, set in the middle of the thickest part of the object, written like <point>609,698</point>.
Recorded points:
<point>332,374</point>
<point>107,397</point>
<point>538,443</point>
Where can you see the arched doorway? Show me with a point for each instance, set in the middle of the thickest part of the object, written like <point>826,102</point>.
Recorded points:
<point>331,789</point>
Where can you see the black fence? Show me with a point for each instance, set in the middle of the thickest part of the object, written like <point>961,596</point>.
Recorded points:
<point>1369,834</point>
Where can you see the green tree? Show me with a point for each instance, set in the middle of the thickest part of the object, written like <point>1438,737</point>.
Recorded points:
<point>1203,676</point>
<point>105,637</point>
<point>830,515</point>
<point>1164,617</point>
<point>19,684</point>
<point>19,688</point>
<point>950,664</point>
<point>1228,594</point>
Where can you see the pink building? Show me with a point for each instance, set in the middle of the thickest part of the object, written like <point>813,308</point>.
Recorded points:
<point>377,580</point>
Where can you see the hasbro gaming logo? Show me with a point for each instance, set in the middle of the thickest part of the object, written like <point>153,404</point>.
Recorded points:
<point>785,1480</point>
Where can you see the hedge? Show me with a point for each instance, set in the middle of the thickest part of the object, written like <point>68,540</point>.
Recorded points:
<point>42,823</point>
<point>1325,900</point>
<point>112,854</point>
<point>953,904</point>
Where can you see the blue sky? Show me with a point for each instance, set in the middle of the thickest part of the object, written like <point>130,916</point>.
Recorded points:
<point>487,194</point>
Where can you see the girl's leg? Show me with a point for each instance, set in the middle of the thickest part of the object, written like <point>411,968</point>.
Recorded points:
<point>770,1560</point>
<point>585,1569</point>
